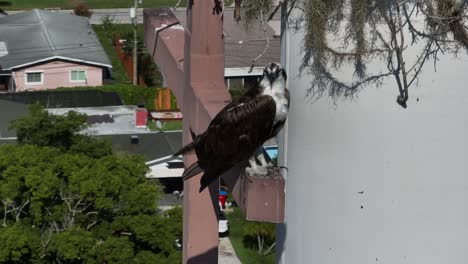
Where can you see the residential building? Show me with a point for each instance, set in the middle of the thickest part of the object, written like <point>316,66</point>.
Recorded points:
<point>369,181</point>
<point>44,50</point>
<point>125,128</point>
<point>241,45</point>
<point>121,125</point>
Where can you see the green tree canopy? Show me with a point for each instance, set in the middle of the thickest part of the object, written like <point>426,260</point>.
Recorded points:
<point>65,200</point>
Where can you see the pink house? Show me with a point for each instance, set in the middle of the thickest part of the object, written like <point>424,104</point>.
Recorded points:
<point>44,50</point>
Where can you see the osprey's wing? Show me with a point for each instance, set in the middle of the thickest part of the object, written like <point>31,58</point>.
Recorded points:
<point>234,134</point>
<point>232,137</point>
<point>252,118</point>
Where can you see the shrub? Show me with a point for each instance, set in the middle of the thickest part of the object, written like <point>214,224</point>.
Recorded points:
<point>260,235</point>
<point>81,9</point>
<point>130,94</point>
<point>109,27</point>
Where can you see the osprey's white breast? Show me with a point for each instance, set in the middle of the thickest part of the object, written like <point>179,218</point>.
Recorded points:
<point>277,92</point>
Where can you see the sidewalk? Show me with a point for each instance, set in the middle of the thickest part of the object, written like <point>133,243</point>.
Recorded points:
<point>226,253</point>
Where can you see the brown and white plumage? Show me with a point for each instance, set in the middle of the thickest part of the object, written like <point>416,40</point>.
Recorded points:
<point>240,127</point>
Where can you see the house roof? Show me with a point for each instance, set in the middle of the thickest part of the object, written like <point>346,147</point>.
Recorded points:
<point>107,120</point>
<point>241,45</point>
<point>154,147</point>
<point>38,36</point>
<point>157,150</point>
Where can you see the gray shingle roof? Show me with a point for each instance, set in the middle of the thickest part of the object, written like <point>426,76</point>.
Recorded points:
<point>240,45</point>
<point>40,35</point>
<point>151,145</point>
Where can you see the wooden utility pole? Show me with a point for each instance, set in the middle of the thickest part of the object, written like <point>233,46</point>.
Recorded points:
<point>204,73</point>
<point>195,73</point>
<point>135,45</point>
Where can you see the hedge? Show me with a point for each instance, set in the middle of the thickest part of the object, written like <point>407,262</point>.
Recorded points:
<point>130,94</point>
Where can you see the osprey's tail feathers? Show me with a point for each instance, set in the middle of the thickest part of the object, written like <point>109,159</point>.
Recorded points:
<point>207,179</point>
<point>191,171</point>
<point>188,147</point>
<point>204,182</point>
<point>194,136</point>
<point>185,149</point>
<point>211,173</point>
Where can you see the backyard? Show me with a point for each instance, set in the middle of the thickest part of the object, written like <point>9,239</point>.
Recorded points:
<point>246,254</point>
<point>121,80</point>
<point>118,71</point>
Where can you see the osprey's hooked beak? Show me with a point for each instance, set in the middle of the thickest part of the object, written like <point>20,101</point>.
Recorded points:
<point>271,78</point>
<point>273,71</point>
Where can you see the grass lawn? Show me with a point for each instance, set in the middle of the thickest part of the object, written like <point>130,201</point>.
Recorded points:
<point>69,4</point>
<point>167,126</point>
<point>246,255</point>
<point>118,71</point>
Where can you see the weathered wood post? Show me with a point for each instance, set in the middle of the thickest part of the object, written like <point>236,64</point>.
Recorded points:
<point>204,74</point>
<point>196,76</point>
<point>192,62</point>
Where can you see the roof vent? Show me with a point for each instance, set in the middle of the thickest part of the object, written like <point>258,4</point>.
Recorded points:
<point>134,139</point>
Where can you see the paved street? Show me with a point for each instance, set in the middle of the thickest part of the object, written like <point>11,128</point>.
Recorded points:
<point>120,15</point>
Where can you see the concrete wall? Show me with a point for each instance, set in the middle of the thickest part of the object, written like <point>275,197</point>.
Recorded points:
<point>370,182</point>
<point>57,74</point>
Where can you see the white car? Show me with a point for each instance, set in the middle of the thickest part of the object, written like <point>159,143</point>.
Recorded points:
<point>223,225</point>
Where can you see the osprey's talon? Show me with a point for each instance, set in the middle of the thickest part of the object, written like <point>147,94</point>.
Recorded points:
<point>259,171</point>
<point>250,171</point>
<point>275,169</point>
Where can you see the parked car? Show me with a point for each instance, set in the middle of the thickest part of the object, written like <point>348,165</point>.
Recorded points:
<point>223,224</point>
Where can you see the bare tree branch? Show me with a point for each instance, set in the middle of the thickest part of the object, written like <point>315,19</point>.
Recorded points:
<point>376,30</point>
<point>11,207</point>
<point>267,39</point>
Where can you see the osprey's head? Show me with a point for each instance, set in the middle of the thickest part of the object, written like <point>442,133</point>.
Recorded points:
<point>274,72</point>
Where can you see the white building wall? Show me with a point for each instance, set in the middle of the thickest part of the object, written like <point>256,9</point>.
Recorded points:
<point>370,182</point>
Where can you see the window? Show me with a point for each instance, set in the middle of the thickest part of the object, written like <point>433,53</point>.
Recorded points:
<point>34,78</point>
<point>78,76</point>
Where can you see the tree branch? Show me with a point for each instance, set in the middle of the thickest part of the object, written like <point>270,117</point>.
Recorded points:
<point>269,249</point>
<point>267,46</point>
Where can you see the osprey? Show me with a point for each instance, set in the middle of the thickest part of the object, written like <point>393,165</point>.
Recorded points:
<point>240,128</point>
